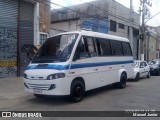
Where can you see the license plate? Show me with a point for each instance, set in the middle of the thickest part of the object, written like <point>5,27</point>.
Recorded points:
<point>37,91</point>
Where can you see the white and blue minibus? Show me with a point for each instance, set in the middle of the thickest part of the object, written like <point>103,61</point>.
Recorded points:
<point>74,62</point>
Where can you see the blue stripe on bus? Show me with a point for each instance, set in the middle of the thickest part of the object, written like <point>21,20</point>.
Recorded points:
<point>49,66</point>
<point>83,65</point>
<point>76,66</point>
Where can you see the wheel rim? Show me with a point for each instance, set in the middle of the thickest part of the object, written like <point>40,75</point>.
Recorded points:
<point>78,92</point>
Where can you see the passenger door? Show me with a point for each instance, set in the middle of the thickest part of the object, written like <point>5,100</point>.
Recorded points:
<point>146,68</point>
<point>84,63</point>
<point>142,69</point>
<point>109,71</point>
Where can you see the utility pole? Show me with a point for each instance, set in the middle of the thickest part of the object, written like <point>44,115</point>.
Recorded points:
<point>131,25</point>
<point>144,43</point>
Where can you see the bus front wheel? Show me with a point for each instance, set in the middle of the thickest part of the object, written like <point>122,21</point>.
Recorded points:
<point>77,91</point>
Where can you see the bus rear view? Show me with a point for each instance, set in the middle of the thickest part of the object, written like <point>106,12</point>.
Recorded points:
<point>74,62</point>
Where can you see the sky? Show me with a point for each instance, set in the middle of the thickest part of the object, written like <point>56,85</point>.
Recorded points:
<point>136,4</point>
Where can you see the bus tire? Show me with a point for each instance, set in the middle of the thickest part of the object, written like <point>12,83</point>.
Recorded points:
<point>77,91</point>
<point>123,80</point>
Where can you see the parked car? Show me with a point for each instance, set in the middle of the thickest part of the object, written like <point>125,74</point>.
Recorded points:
<point>154,67</point>
<point>141,69</point>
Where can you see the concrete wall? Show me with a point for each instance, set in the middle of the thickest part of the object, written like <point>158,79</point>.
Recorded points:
<point>152,47</point>
<point>121,14</point>
<point>158,38</point>
<point>67,20</point>
<point>153,42</point>
<point>67,25</point>
<point>44,16</point>
<point>83,11</point>
<point>64,19</point>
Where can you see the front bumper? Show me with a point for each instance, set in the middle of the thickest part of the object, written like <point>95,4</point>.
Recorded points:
<point>47,87</point>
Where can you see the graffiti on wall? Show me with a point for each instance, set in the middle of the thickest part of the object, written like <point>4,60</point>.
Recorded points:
<point>7,71</point>
<point>29,50</point>
<point>94,24</point>
<point>8,51</point>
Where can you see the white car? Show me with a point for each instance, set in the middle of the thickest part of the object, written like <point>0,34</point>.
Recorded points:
<point>141,69</point>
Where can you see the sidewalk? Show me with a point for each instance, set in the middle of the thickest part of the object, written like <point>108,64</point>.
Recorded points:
<point>11,92</point>
<point>10,85</point>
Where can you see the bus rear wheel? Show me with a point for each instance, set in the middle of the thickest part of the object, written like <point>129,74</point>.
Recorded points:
<point>123,80</point>
<point>77,91</point>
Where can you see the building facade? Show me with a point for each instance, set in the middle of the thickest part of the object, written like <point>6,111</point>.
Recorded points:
<point>157,29</point>
<point>20,30</point>
<point>151,44</point>
<point>103,16</point>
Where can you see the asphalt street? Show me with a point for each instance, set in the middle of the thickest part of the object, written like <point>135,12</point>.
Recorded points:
<point>144,94</point>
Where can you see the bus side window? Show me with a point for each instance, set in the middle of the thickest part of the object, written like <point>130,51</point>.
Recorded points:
<point>90,46</point>
<point>117,49</point>
<point>85,49</point>
<point>104,48</point>
<point>126,49</point>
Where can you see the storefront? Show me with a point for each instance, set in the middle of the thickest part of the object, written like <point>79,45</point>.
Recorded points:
<point>16,30</point>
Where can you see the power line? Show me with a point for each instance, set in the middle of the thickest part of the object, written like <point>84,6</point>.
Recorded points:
<point>152,17</point>
<point>88,14</point>
<point>110,13</point>
<point>76,11</point>
<point>152,35</point>
<point>101,8</point>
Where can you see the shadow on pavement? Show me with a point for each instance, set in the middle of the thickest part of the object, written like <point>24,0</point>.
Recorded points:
<point>63,100</point>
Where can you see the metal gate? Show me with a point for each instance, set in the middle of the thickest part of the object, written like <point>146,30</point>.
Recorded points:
<point>26,32</point>
<point>8,37</point>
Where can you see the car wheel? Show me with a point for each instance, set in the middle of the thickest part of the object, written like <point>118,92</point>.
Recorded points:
<point>149,75</point>
<point>122,83</point>
<point>158,73</point>
<point>137,77</point>
<point>77,91</point>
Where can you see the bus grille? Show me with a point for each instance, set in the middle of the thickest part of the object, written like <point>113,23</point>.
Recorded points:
<point>38,86</point>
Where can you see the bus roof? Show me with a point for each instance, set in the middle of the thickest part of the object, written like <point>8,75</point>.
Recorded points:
<point>96,34</point>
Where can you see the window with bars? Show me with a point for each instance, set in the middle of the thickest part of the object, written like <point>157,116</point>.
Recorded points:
<point>113,26</point>
<point>121,25</point>
<point>43,37</point>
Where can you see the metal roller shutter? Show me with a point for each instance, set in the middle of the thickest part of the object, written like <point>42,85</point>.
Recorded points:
<point>8,37</point>
<point>26,31</point>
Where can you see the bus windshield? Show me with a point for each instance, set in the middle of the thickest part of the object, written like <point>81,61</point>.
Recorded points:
<point>56,49</point>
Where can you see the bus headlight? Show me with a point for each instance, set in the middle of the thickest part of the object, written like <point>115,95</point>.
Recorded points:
<point>55,76</point>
